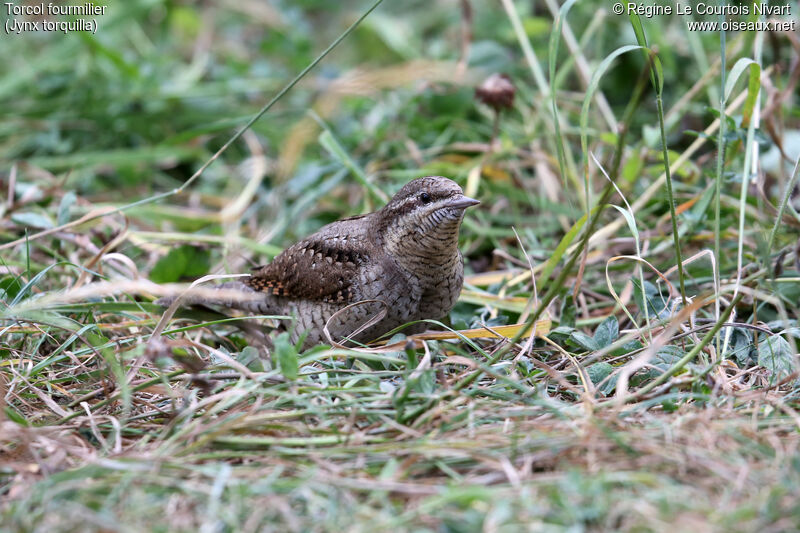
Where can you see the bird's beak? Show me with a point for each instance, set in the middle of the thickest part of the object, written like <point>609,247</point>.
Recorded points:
<point>461,202</point>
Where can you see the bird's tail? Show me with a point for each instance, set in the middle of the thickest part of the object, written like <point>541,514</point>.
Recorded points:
<point>232,294</point>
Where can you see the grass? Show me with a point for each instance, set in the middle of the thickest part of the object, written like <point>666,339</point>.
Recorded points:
<point>632,208</point>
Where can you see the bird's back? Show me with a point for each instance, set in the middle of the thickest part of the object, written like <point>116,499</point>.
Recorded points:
<point>396,265</point>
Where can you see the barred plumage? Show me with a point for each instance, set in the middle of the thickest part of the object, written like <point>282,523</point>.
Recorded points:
<point>403,259</point>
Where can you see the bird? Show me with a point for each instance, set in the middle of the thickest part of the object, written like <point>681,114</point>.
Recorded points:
<point>360,277</point>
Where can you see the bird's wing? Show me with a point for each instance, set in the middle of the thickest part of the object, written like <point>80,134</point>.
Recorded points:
<point>320,268</point>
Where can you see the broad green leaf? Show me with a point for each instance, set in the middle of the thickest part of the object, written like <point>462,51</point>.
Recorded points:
<point>32,220</point>
<point>657,304</point>
<point>198,262</point>
<point>67,201</point>
<point>251,358</point>
<point>561,333</point>
<point>582,340</point>
<point>600,371</point>
<point>170,267</point>
<point>794,332</point>
<point>607,332</point>
<point>740,345</point>
<point>666,357</point>
<point>568,307</point>
<point>775,354</point>
<point>628,347</point>
<point>183,261</point>
<point>9,287</point>
<point>287,356</point>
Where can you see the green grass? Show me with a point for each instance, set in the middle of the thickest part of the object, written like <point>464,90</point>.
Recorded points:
<point>664,395</point>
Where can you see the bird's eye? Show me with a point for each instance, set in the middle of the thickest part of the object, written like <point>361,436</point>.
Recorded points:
<point>425,198</point>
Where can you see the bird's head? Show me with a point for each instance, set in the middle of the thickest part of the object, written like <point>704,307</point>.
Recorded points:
<point>424,216</point>
<point>428,203</point>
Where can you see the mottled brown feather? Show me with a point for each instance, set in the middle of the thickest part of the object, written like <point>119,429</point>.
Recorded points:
<point>319,270</point>
<point>400,262</point>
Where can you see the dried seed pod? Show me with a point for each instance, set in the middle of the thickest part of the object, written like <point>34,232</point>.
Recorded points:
<point>496,91</point>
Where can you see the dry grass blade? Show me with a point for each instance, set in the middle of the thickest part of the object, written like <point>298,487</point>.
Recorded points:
<point>571,387</point>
